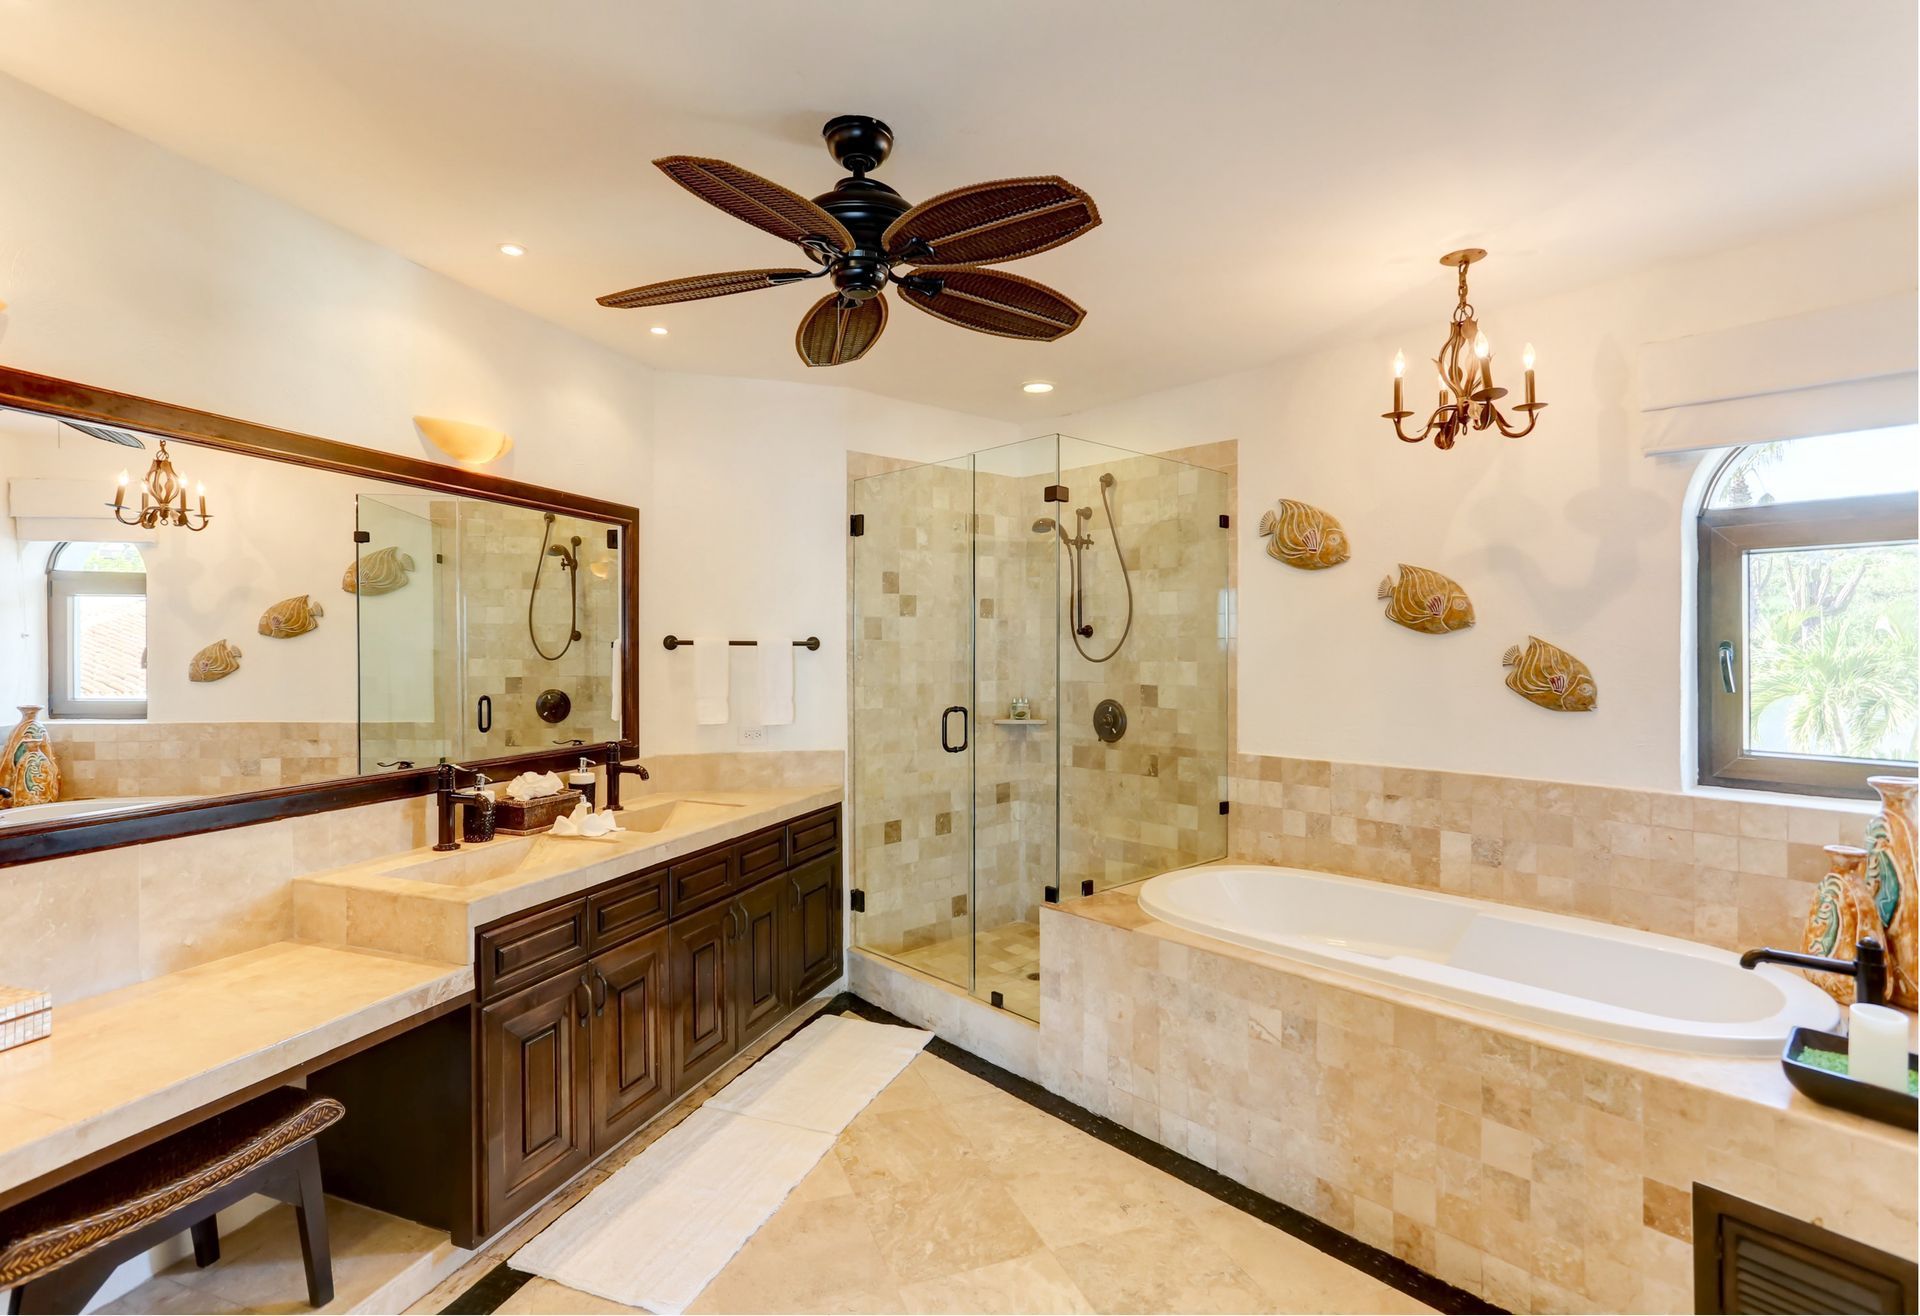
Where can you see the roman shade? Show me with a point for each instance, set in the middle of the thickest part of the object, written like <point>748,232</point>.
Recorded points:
<point>1834,371</point>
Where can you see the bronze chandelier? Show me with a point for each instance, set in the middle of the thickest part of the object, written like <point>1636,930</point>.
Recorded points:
<point>1465,368</point>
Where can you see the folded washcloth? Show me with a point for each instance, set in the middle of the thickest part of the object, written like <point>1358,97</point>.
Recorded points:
<point>584,822</point>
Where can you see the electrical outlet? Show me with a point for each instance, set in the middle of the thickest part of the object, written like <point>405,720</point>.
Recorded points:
<point>753,735</point>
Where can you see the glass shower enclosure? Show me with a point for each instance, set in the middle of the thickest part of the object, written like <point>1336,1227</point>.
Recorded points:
<point>1039,696</point>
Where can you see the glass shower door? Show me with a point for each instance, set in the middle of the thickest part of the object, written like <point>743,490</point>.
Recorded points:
<point>407,629</point>
<point>912,717</point>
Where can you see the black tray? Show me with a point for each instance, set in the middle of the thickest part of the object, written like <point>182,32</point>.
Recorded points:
<point>1830,1089</point>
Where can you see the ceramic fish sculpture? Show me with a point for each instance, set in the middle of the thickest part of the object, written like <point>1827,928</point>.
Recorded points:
<point>1551,677</point>
<point>1304,536</point>
<point>291,617</point>
<point>213,662</point>
<point>1426,601</point>
<point>380,572</point>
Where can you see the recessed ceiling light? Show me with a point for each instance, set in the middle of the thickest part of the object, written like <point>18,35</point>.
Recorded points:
<point>659,330</point>
<point>1036,386</point>
<point>512,249</point>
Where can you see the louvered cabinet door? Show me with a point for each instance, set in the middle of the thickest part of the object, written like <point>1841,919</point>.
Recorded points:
<point>535,1060</point>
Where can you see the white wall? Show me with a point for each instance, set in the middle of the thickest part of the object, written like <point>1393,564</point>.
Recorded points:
<point>133,268</point>
<point>1569,534</point>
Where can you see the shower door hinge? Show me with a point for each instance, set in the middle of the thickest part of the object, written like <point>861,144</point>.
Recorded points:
<point>363,536</point>
<point>1226,522</point>
<point>857,901</point>
<point>1086,886</point>
<point>613,538</point>
<point>1052,895</point>
<point>996,1000</point>
<point>857,524</point>
<point>1056,493</point>
<point>1223,808</point>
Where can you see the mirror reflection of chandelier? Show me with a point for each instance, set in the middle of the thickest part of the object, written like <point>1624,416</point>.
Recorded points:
<point>163,498</point>
<point>1465,366</point>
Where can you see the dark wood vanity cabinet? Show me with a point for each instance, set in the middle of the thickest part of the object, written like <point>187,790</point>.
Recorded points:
<point>600,1009</point>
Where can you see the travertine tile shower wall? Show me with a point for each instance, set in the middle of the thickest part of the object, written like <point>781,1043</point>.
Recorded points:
<point>1731,874</point>
<point>1150,802</point>
<point>119,760</point>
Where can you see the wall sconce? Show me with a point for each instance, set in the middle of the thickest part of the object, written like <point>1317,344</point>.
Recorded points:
<point>163,497</point>
<point>475,445</point>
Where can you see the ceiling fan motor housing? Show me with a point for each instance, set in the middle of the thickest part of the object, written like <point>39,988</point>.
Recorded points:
<point>866,207</point>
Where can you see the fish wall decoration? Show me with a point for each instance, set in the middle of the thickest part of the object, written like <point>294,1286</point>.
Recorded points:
<point>1303,536</point>
<point>1427,601</point>
<point>217,660</point>
<point>1547,675</point>
<point>380,572</point>
<point>291,617</point>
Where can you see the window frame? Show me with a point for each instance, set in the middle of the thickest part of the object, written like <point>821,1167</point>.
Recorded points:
<point>63,587</point>
<point>1725,536</point>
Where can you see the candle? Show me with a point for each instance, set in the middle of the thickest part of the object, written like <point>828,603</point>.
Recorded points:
<point>120,494</point>
<point>1399,369</point>
<point>1526,359</point>
<point>1877,1046</point>
<point>201,489</point>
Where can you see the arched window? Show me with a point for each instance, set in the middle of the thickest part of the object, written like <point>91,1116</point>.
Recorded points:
<point>1808,666</point>
<point>96,631</point>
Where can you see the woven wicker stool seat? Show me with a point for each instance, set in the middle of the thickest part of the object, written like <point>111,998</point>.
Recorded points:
<point>57,1248</point>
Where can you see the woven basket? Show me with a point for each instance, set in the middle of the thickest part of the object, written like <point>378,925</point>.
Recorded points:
<point>521,817</point>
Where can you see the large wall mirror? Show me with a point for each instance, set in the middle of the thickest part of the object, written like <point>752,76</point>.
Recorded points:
<point>327,625</point>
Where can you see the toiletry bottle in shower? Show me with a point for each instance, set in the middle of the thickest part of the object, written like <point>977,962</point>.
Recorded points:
<point>582,780</point>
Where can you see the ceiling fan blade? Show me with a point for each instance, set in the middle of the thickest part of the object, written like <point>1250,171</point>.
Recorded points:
<point>834,333</point>
<point>993,302</point>
<point>988,223</point>
<point>759,201</point>
<point>699,286</point>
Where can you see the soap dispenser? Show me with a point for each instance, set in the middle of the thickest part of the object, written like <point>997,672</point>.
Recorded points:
<point>582,779</point>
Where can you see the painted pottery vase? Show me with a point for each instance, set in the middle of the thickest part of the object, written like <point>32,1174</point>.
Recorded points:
<point>1890,878</point>
<point>1842,915</point>
<point>27,767</point>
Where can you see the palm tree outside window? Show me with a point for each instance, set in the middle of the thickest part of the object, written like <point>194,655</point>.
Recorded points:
<point>1808,664</point>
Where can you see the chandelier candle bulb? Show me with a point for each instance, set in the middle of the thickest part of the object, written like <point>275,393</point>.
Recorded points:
<point>1526,360</point>
<point>1399,369</point>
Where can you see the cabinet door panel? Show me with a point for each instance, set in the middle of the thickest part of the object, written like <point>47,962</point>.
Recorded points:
<point>700,966</point>
<point>760,989</point>
<point>531,948</point>
<point>764,854</point>
<point>701,880</point>
<point>630,1083</point>
<point>813,926</point>
<point>812,836</point>
<point>626,908</point>
<point>534,1064</point>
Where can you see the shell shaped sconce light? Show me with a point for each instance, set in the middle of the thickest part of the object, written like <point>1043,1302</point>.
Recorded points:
<point>1303,536</point>
<point>217,660</point>
<point>1547,675</point>
<point>465,442</point>
<point>1426,601</point>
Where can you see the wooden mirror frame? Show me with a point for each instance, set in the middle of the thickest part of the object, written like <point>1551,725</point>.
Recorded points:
<point>63,399</point>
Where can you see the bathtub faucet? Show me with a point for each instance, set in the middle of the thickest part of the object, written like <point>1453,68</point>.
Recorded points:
<point>1868,967</point>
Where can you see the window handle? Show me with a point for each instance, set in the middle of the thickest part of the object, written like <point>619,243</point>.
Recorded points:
<point>1726,667</point>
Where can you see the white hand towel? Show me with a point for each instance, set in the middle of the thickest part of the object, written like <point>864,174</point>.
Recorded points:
<point>711,659</point>
<point>776,681</point>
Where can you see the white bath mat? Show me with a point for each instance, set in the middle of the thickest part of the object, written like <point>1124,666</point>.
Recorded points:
<point>663,1225</point>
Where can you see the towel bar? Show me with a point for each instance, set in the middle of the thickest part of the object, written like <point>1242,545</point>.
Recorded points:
<point>672,642</point>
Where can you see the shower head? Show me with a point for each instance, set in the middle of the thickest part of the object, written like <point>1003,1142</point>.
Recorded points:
<point>1106,480</point>
<point>1043,525</point>
<point>567,560</point>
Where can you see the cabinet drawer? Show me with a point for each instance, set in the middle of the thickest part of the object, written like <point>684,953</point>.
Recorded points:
<point>527,949</point>
<point>627,908</point>
<point>761,855</point>
<point>697,882</point>
<point>812,836</point>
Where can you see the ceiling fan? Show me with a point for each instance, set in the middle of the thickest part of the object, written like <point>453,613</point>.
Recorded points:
<point>857,233</point>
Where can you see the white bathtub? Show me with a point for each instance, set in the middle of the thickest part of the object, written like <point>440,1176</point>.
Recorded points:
<point>1573,973</point>
<point>22,814</point>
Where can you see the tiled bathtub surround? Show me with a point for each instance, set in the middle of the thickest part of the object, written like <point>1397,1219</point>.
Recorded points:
<point>100,760</point>
<point>1541,1171</point>
<point>1731,874</point>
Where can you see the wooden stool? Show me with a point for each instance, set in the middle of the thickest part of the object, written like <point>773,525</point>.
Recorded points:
<point>57,1249</point>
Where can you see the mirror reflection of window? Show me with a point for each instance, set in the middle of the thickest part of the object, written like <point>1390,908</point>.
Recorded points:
<point>96,631</point>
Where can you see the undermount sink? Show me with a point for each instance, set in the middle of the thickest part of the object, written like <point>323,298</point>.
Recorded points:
<point>470,864</point>
<point>655,817</point>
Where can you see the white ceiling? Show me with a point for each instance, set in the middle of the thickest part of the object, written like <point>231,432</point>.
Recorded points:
<point>1270,171</point>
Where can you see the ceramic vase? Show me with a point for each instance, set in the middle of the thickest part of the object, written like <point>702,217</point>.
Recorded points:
<point>1890,878</point>
<point>1842,914</point>
<point>27,767</point>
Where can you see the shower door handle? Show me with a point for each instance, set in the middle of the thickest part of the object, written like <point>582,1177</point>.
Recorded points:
<point>483,714</point>
<point>945,742</point>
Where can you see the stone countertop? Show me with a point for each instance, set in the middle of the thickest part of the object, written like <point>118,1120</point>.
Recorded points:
<point>1756,1079</point>
<point>426,904</point>
<point>125,1061</point>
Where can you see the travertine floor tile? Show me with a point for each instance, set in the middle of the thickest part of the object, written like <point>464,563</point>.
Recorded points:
<point>163,1297</point>
<point>1296,1275</point>
<point>543,1297</point>
<point>1161,1269</point>
<point>1033,1283</point>
<point>810,1256</point>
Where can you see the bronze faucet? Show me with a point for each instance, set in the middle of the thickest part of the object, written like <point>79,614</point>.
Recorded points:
<point>615,770</point>
<point>1868,967</point>
<point>447,798</point>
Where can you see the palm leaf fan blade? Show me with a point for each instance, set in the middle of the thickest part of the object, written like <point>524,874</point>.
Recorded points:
<point>835,331</point>
<point>988,223</point>
<point>992,302</point>
<point>699,286</point>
